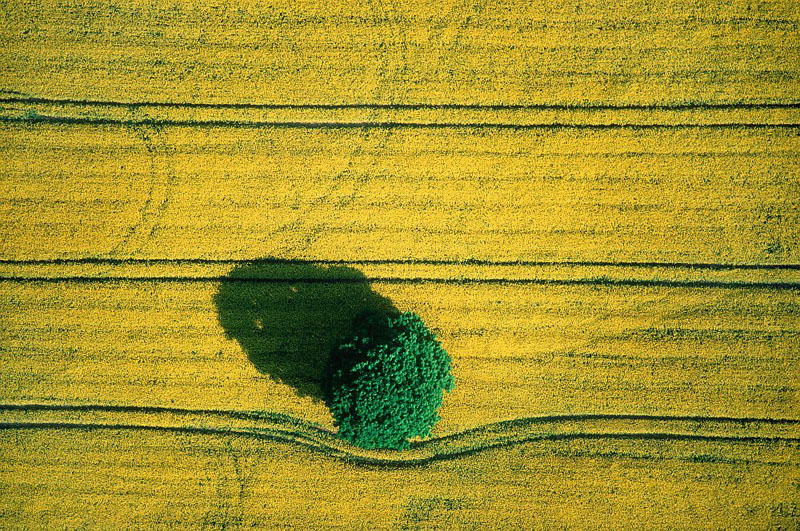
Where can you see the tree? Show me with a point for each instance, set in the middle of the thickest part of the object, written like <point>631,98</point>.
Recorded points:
<point>384,382</point>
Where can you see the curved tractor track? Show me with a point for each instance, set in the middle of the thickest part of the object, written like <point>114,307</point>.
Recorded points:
<point>285,429</point>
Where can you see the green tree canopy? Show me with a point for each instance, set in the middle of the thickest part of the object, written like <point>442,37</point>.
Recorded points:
<point>384,383</point>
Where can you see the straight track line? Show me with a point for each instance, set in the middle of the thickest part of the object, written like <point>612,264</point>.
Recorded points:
<point>236,124</point>
<point>421,280</point>
<point>391,261</point>
<point>405,106</point>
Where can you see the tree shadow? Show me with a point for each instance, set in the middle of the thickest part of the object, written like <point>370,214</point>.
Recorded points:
<point>288,316</point>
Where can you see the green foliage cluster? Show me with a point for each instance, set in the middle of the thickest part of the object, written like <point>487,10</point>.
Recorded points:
<point>384,383</point>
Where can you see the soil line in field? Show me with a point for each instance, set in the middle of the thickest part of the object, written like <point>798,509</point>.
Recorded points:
<point>768,433</point>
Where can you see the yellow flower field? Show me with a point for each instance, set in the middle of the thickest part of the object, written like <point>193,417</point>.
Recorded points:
<point>162,479</point>
<point>454,51</point>
<point>700,194</point>
<point>595,206</point>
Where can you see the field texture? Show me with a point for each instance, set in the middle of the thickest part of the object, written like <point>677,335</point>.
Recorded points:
<point>596,208</point>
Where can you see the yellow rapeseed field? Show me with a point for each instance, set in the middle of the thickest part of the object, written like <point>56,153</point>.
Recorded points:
<point>158,479</point>
<point>595,206</point>
<point>727,194</point>
<point>448,52</point>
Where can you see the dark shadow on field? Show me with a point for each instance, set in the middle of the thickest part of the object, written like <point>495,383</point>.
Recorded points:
<point>287,316</point>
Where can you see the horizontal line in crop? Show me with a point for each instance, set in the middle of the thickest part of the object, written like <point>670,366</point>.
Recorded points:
<point>426,280</point>
<point>380,125</point>
<point>393,261</point>
<point>410,106</point>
